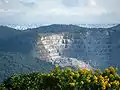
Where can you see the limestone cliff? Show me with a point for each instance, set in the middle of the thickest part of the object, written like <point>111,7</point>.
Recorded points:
<point>51,48</point>
<point>74,49</point>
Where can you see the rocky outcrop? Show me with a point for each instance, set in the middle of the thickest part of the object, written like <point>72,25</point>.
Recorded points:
<point>92,47</point>
<point>51,49</point>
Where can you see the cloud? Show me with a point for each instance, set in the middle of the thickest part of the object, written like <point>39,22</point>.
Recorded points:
<point>59,11</point>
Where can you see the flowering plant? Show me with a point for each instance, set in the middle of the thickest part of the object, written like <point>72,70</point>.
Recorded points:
<point>65,79</point>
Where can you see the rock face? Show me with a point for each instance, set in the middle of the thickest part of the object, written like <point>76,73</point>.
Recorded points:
<point>55,48</point>
<point>93,47</point>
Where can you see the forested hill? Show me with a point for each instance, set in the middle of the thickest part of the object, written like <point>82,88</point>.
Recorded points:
<point>100,45</point>
<point>12,40</point>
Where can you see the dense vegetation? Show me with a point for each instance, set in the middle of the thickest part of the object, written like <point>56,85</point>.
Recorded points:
<point>65,79</point>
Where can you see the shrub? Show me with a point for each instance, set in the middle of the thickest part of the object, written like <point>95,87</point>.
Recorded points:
<point>65,79</point>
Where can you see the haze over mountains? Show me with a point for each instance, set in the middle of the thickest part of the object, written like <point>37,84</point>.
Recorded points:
<point>30,26</point>
<point>36,49</point>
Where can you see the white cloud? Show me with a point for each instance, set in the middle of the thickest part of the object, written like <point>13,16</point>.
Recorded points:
<point>59,11</point>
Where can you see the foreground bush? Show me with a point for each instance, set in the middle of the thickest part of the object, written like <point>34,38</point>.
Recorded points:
<point>66,79</point>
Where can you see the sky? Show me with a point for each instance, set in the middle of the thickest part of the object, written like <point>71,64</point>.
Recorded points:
<point>59,12</point>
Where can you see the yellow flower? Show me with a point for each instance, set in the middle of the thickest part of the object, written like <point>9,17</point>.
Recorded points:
<point>108,85</point>
<point>71,77</point>
<point>77,75</point>
<point>106,77</point>
<point>116,82</point>
<point>111,76</point>
<point>116,69</point>
<point>103,87</point>
<point>72,84</point>
<point>72,73</point>
<point>101,77</point>
<point>116,75</point>
<point>95,81</point>
<point>83,71</point>
<point>88,81</point>
<point>102,83</point>
<point>48,75</point>
<point>95,78</point>
<point>112,69</point>
<point>106,82</point>
<point>107,70</point>
<point>88,77</point>
<point>82,82</point>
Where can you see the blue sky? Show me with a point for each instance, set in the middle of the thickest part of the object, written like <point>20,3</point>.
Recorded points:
<point>59,11</point>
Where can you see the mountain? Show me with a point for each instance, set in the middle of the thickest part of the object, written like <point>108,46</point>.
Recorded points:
<point>39,49</point>
<point>24,27</point>
<point>30,26</point>
<point>97,25</point>
<point>6,32</point>
<point>12,40</point>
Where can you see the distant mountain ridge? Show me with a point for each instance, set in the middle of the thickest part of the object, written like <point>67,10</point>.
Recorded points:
<point>31,26</point>
<point>28,36</point>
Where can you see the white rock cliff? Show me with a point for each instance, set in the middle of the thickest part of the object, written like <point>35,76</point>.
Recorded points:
<point>50,48</point>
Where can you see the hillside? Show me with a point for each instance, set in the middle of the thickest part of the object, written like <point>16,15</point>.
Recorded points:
<point>75,45</point>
